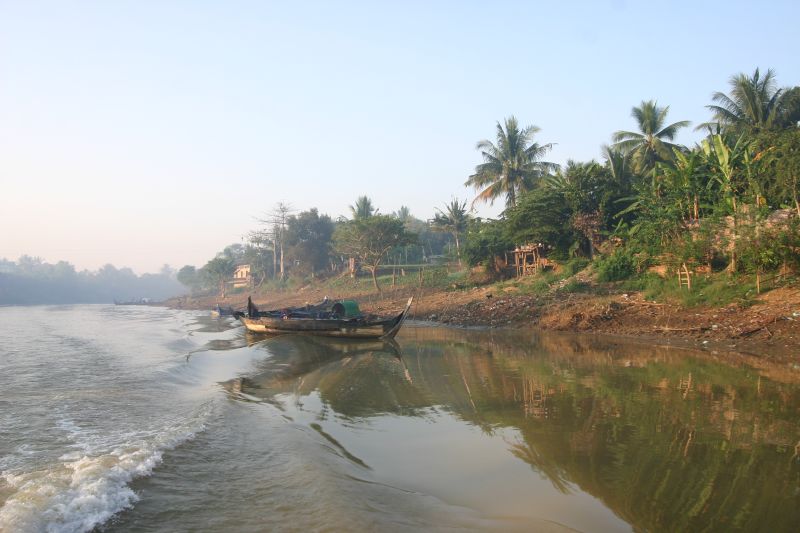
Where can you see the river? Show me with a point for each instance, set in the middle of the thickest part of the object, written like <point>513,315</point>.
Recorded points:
<point>116,418</point>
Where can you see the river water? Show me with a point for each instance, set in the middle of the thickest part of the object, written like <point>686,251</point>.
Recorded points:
<point>150,419</point>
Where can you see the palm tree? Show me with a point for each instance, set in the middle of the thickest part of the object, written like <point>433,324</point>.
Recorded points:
<point>363,208</point>
<point>727,160</point>
<point>404,213</point>
<point>511,166</point>
<point>453,220</point>
<point>754,104</point>
<point>618,164</point>
<point>650,144</point>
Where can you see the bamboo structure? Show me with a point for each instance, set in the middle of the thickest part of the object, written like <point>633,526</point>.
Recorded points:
<point>528,259</point>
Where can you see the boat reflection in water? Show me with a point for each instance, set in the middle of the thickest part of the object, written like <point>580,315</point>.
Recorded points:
<point>303,364</point>
<point>523,424</point>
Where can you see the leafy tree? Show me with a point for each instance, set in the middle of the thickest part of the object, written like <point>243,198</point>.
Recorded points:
<point>755,104</point>
<point>486,240</point>
<point>218,270</point>
<point>651,143</point>
<point>363,208</point>
<point>308,237</point>
<point>453,220</point>
<point>188,277</point>
<point>511,166</point>
<point>780,152</point>
<point>544,216</point>
<point>369,239</point>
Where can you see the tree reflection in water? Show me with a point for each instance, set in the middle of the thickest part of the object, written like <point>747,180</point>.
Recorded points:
<point>669,440</point>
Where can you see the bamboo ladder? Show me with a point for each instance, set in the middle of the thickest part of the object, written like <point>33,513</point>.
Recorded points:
<point>684,277</point>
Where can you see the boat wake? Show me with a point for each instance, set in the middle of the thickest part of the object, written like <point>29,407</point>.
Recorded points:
<point>85,488</point>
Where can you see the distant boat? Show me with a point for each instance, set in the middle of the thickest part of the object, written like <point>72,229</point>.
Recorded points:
<point>337,319</point>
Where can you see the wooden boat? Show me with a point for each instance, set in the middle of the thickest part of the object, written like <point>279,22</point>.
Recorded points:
<point>341,319</point>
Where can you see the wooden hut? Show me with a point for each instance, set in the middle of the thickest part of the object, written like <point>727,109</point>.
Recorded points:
<point>528,259</point>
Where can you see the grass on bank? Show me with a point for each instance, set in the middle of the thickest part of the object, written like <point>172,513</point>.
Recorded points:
<point>713,290</point>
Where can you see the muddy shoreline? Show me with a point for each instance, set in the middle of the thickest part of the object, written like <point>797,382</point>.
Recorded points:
<point>768,329</point>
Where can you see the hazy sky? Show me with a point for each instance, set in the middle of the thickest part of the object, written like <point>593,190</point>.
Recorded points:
<point>149,132</point>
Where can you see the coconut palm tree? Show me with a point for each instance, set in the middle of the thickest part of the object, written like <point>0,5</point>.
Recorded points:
<point>651,143</point>
<point>404,213</point>
<point>618,164</point>
<point>453,220</point>
<point>511,166</point>
<point>754,103</point>
<point>363,208</point>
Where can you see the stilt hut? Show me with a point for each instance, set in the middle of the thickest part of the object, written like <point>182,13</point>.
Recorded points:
<point>528,259</point>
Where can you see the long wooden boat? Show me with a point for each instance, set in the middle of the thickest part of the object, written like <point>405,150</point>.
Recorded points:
<point>297,321</point>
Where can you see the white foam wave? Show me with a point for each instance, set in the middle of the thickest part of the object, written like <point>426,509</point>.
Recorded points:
<point>87,489</point>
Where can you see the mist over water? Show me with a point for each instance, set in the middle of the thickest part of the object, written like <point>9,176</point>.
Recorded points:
<point>149,419</point>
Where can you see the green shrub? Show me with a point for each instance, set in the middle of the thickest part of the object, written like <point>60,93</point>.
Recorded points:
<point>573,266</point>
<point>574,285</point>
<point>620,265</point>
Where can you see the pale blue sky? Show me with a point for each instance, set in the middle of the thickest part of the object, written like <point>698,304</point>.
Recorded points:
<point>146,132</point>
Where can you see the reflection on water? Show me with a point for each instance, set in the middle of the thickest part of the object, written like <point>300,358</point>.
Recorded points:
<point>667,440</point>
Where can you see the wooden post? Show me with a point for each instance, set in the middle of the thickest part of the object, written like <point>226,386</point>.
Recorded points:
<point>758,281</point>
<point>394,277</point>
<point>421,275</point>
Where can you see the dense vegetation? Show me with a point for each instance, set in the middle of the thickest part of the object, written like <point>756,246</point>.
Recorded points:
<point>728,203</point>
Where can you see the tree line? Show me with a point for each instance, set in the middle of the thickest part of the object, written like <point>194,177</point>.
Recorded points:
<point>725,202</point>
<point>290,246</point>
<point>31,280</point>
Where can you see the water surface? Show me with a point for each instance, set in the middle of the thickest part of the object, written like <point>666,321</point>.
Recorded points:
<point>148,419</point>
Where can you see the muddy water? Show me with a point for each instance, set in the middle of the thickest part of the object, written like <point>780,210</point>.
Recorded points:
<point>141,419</point>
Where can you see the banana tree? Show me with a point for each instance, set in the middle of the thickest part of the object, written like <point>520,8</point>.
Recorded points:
<point>685,174</point>
<point>726,163</point>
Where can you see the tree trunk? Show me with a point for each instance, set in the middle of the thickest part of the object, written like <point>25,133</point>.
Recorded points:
<point>458,250</point>
<point>373,268</point>
<point>732,265</point>
<point>282,272</point>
